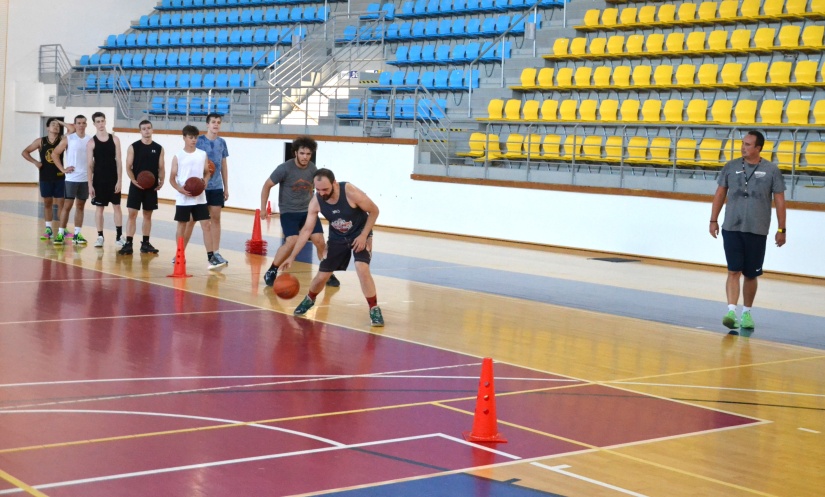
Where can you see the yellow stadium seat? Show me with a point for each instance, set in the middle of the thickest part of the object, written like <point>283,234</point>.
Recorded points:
<point>731,149</point>
<point>732,74</point>
<point>629,110</point>
<point>819,112</point>
<point>495,110</point>
<point>757,73</point>
<point>647,14</point>
<point>578,46</point>
<point>686,150</point>
<point>641,75</point>
<point>787,155</point>
<point>545,77</point>
<point>597,46</point>
<point>721,111</point>
<point>655,42</point>
<point>696,41</point>
<point>767,150</point>
<point>745,111</point>
<point>567,110</point>
<point>660,150</point>
<point>549,110</point>
<point>514,147</point>
<point>728,10</point>
<point>609,110</point>
<point>675,42</point>
<point>490,147</point>
<point>710,151</point>
<point>528,78</point>
<point>477,144</point>
<point>687,12</point>
<point>780,73</point>
<point>770,112</point>
<point>532,146</point>
<point>708,74</point>
<point>685,75</point>
<point>718,40</point>
<point>797,111</point>
<point>651,110</point>
<point>550,147</point>
<point>560,46</point>
<point>795,9</point>
<point>582,76</point>
<point>740,40</point>
<point>706,12</point>
<point>628,15</point>
<point>615,45</point>
<point>663,75</point>
<point>610,17</point>
<point>613,148</point>
<point>789,36</point>
<point>772,8</point>
<point>750,8</point>
<point>512,110</point>
<point>531,110</point>
<point>817,7</point>
<point>637,149</point>
<point>805,72</point>
<point>601,76</point>
<point>763,39</point>
<point>571,147</point>
<point>621,76</point>
<point>634,44</point>
<point>587,110</point>
<point>493,150</point>
<point>666,13</point>
<point>564,77</point>
<point>815,155</point>
<point>591,18</point>
<point>591,148</point>
<point>673,110</point>
<point>697,111</point>
<point>812,37</point>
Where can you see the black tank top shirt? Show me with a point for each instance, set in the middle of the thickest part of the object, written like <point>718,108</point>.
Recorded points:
<point>146,158</point>
<point>105,163</point>
<point>345,222</point>
<point>49,172</point>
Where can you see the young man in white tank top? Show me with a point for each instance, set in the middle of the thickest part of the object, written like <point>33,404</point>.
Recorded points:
<point>75,169</point>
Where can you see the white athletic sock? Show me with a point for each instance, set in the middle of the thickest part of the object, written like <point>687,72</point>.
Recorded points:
<point>76,230</point>
<point>48,224</point>
<point>61,230</point>
<point>732,307</point>
<point>745,309</point>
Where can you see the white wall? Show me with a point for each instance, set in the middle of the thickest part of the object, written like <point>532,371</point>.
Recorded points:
<point>670,229</point>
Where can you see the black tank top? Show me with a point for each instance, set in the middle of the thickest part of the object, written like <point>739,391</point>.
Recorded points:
<point>49,172</point>
<point>105,164</point>
<point>146,158</point>
<point>345,222</point>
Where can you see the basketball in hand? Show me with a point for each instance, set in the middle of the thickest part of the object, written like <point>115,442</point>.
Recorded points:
<point>146,180</point>
<point>194,186</point>
<point>210,166</point>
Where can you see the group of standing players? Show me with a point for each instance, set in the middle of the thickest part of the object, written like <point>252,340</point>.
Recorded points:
<point>76,167</point>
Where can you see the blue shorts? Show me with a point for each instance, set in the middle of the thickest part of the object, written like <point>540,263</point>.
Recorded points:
<point>745,252</point>
<point>292,222</point>
<point>214,197</point>
<point>53,188</point>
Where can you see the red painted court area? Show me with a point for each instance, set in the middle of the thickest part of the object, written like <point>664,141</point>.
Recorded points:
<point>113,386</point>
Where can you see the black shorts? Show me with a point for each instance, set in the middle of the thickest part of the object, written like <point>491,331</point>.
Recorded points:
<point>214,197</point>
<point>138,197</point>
<point>292,222</point>
<point>339,253</point>
<point>745,252</point>
<point>105,195</point>
<point>186,213</point>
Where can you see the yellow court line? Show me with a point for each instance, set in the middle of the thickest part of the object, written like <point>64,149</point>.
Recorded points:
<point>21,485</point>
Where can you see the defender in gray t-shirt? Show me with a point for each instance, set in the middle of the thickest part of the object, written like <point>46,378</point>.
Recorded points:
<point>749,184</point>
<point>295,189</point>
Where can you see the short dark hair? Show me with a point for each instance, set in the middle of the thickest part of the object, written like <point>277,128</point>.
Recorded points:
<point>145,121</point>
<point>98,114</point>
<point>760,138</point>
<point>211,115</point>
<point>190,130</point>
<point>53,119</point>
<point>79,116</point>
<point>325,173</point>
<point>304,142</point>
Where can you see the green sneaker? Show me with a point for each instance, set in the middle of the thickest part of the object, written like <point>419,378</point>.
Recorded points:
<point>47,235</point>
<point>58,240</point>
<point>304,306</point>
<point>747,320</point>
<point>79,240</point>
<point>376,319</point>
<point>730,320</point>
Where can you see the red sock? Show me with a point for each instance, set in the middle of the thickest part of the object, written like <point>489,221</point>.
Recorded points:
<point>312,295</point>
<point>372,301</point>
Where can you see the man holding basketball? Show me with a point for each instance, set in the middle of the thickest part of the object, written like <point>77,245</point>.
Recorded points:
<point>294,178</point>
<point>143,155</point>
<point>351,214</point>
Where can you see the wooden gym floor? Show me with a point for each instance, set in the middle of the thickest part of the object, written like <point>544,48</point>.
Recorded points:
<point>612,378</point>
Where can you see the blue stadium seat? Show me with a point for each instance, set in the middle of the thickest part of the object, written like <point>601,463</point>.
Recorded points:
<point>199,19</point>
<point>428,54</point>
<point>174,39</point>
<point>131,40</point>
<point>381,109</point>
<point>458,55</point>
<point>146,80</point>
<point>143,22</point>
<point>414,55</point>
<point>432,7</point>
<point>310,14</point>
<point>166,20</point>
<point>441,77</point>
<point>405,30</point>
<point>488,27</point>
<point>188,19</point>
<point>160,60</point>
<point>210,19</point>
<point>91,82</point>
<point>271,16</point>
<point>246,16</point>
<point>257,16</point>
<point>384,82</point>
<point>248,80</point>
<point>322,15</point>
<point>420,9</point>
<point>407,9</point>
<point>234,59</point>
<point>141,39</point>
<point>221,18</point>
<point>246,58</point>
<point>149,60</point>
<point>171,81</point>
<point>459,6</point>
<point>105,59</point>
<point>209,59</point>
<point>431,29</point>
<point>221,59</point>
<point>259,37</point>
<point>137,61</point>
<point>163,38</point>
<point>392,32</point>
<point>427,80</point>
<point>183,60</point>
<point>354,110</point>
<point>210,37</point>
<point>209,80</point>
<point>196,106</point>
<point>388,10</point>
<point>84,60</point>
<point>159,80</point>
<point>445,28</point>
<point>117,59</point>
<point>235,37</point>
<point>473,28</point>
<point>445,6</point>
<point>442,54</point>
<point>222,107</point>
<point>233,17</point>
<point>197,59</point>
<point>273,35</point>
<point>111,42</point>
<point>183,80</point>
<point>398,78</point>
<point>94,59</point>
<point>198,37</point>
<point>411,81</point>
<point>372,11</point>
<point>176,21</point>
<point>222,38</point>
<point>196,81</point>
<point>400,56</point>
<point>157,106</point>
<point>152,40</point>
<point>235,80</point>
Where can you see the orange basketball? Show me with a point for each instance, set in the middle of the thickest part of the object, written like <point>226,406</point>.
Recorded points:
<point>194,186</point>
<point>286,286</point>
<point>211,166</point>
<point>145,179</point>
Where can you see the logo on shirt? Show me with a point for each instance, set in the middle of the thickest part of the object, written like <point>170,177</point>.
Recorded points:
<point>302,185</point>
<point>342,225</point>
<point>739,172</point>
<point>760,174</point>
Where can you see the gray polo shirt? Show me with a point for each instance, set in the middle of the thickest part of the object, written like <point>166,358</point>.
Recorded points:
<point>751,213</point>
<point>295,186</point>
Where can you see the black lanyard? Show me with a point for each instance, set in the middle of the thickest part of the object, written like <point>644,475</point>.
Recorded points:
<point>749,176</point>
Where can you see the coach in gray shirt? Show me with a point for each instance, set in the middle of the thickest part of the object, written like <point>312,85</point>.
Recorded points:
<point>749,184</point>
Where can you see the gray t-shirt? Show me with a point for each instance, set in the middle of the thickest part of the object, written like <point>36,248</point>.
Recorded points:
<point>749,210</point>
<point>295,186</point>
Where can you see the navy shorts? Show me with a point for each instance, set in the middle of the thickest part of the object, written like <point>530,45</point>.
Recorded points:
<point>53,188</point>
<point>292,222</point>
<point>214,197</point>
<point>339,253</point>
<point>186,213</point>
<point>138,197</point>
<point>745,252</point>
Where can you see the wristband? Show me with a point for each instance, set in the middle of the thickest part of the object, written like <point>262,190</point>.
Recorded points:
<point>717,222</point>
<point>781,230</point>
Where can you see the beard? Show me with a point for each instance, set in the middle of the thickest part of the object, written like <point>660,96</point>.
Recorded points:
<point>327,196</point>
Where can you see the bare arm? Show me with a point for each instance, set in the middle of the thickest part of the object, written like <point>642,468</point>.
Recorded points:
<point>779,201</point>
<point>57,152</point>
<point>161,168</point>
<point>716,208</point>
<point>118,163</point>
<point>27,153</point>
<point>130,164</point>
<point>70,128</point>
<point>225,174</point>
<point>268,184</point>
<point>362,201</point>
<point>173,173</point>
<point>306,231</point>
<point>90,158</point>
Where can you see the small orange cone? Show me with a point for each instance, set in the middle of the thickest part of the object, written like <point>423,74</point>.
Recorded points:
<point>180,262</point>
<point>256,245</point>
<point>485,423</point>
<point>268,208</point>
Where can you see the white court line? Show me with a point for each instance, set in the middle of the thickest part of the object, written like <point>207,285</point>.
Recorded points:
<point>561,469</point>
<point>809,430</point>
<point>215,463</point>
<point>478,446</point>
<point>168,415</point>
<point>107,277</point>
<point>130,316</point>
<point>706,387</point>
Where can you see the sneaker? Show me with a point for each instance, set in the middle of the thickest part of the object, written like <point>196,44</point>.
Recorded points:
<point>215,264</point>
<point>120,241</point>
<point>147,248</point>
<point>58,240</point>
<point>269,276</point>
<point>127,249</point>
<point>376,319</point>
<point>220,258</point>
<point>47,234</point>
<point>333,282</point>
<point>730,320</point>
<point>304,306</point>
<point>98,242</point>
<point>747,320</point>
<point>80,240</point>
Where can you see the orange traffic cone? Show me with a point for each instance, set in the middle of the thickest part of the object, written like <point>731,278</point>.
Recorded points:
<point>180,262</point>
<point>256,245</point>
<point>485,424</point>
<point>268,208</point>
